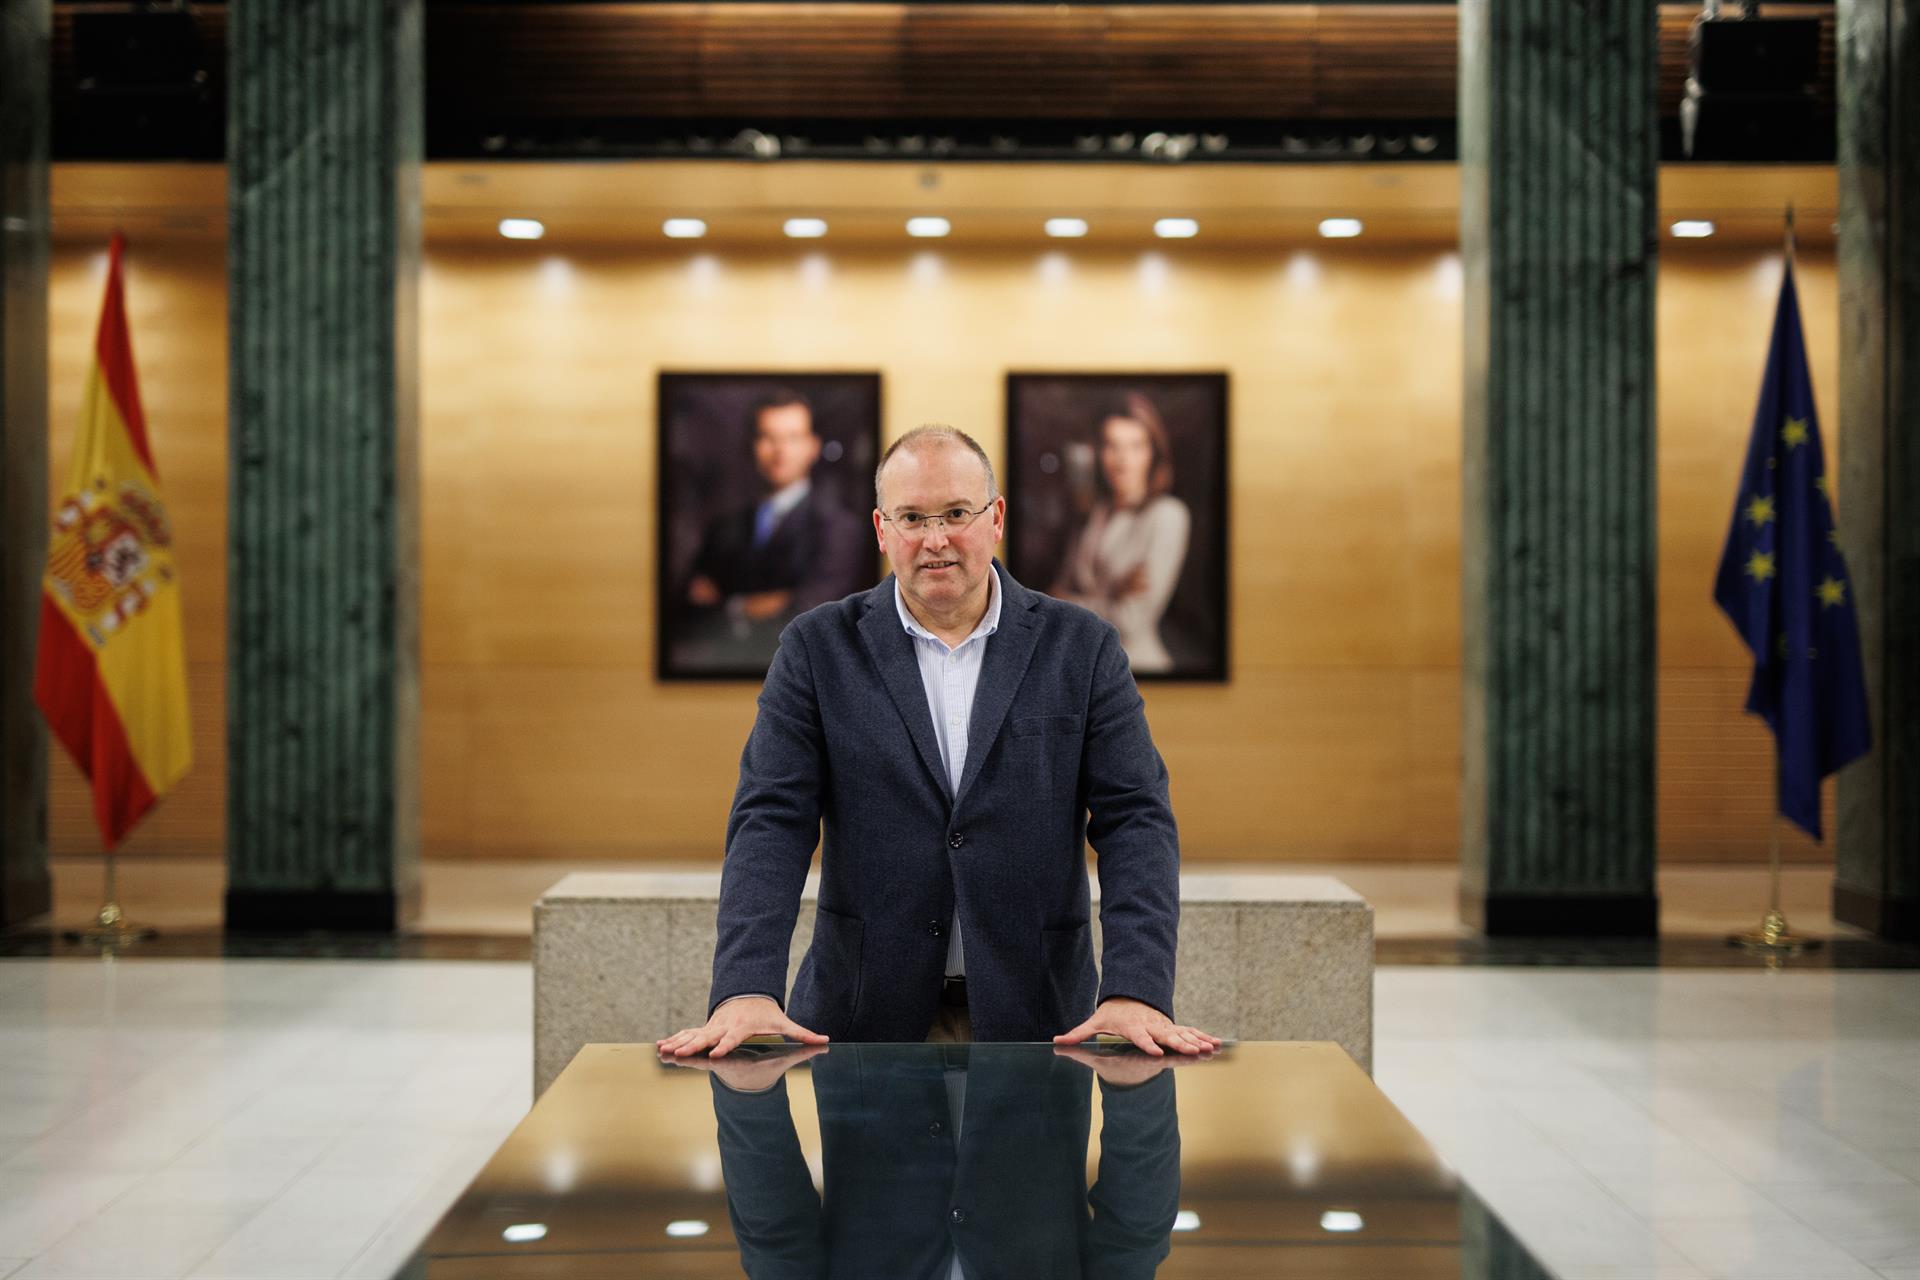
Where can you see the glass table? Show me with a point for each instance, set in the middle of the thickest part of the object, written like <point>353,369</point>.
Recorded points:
<point>979,1161</point>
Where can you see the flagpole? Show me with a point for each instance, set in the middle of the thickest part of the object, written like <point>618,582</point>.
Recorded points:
<point>1774,938</point>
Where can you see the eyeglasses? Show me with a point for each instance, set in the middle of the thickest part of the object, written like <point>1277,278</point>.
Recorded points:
<point>953,519</point>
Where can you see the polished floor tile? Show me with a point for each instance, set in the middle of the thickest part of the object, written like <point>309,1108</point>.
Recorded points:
<point>313,1118</point>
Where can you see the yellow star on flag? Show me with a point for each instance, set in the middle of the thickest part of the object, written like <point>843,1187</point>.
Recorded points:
<point>1760,509</point>
<point>1820,483</point>
<point>1831,592</point>
<point>1760,566</point>
<point>1795,432</point>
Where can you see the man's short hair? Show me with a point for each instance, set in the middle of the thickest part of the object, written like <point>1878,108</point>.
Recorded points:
<point>934,432</point>
<point>783,398</point>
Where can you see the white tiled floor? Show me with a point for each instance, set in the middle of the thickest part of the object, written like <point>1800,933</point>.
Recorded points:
<point>311,1119</point>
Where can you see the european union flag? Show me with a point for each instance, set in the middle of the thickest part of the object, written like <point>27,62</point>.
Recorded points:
<point>1785,587</point>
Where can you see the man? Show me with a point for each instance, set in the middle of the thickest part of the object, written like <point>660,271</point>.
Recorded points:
<point>961,737</point>
<point>792,550</point>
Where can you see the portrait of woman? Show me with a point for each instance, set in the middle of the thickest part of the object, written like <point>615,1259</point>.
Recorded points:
<point>1125,560</point>
<point>1119,485</point>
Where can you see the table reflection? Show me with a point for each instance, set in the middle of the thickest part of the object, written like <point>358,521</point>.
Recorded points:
<point>965,1161</point>
<point>1263,1160</point>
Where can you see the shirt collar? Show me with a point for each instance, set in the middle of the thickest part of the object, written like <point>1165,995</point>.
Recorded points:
<point>989,623</point>
<point>785,500</point>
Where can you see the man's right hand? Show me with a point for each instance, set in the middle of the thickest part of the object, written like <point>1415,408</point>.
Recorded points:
<point>732,1022</point>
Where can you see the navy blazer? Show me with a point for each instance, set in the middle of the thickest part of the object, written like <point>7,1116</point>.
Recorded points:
<point>1058,753</point>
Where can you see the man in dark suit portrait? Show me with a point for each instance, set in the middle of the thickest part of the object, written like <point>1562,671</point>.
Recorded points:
<point>760,566</point>
<point>952,741</point>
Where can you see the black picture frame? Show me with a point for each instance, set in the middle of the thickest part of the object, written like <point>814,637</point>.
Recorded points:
<point>1055,487</point>
<point>708,483</point>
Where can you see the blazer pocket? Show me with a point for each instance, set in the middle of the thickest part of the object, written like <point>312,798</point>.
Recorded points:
<point>1034,726</point>
<point>837,944</point>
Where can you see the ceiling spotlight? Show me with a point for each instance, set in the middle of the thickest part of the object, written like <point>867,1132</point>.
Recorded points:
<point>928,228</point>
<point>524,1232</point>
<point>1341,1220</point>
<point>1186,1220</point>
<point>1066,228</point>
<point>522,228</point>
<point>1176,228</point>
<point>806,228</point>
<point>686,1228</point>
<point>683,228</point>
<point>1340,228</point>
<point>756,144</point>
<point>1693,229</point>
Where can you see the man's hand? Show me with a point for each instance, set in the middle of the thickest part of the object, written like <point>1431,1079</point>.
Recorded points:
<point>733,1022</point>
<point>752,1073</point>
<point>1125,1070</point>
<point>1144,1025</point>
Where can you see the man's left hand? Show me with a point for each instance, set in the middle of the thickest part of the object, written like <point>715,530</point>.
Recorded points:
<point>1142,1024</point>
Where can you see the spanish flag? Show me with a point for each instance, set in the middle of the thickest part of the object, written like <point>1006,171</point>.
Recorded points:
<point>111,675</point>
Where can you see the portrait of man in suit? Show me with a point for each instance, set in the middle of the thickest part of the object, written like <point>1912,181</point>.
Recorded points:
<point>951,741</point>
<point>770,540</point>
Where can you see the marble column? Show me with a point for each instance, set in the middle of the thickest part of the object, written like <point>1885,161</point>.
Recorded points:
<point>323,162</point>
<point>25,111</point>
<point>1559,152</point>
<point>1877,872</point>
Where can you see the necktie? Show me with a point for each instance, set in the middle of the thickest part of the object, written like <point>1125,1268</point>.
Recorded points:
<point>763,518</point>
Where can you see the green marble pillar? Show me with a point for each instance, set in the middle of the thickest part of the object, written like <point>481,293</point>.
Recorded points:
<point>1559,150</point>
<point>25,110</point>
<point>1877,876</point>
<point>323,164</point>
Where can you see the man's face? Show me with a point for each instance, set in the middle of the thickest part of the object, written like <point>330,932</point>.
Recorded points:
<point>784,446</point>
<point>939,568</point>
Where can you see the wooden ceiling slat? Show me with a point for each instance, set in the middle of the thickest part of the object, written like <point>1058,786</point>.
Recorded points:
<point>554,63</point>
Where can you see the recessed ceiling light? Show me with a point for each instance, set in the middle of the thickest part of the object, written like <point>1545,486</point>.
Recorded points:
<point>683,228</point>
<point>1186,1220</point>
<point>524,1232</point>
<point>1176,228</point>
<point>686,1227</point>
<point>1067,228</point>
<point>1341,1220</point>
<point>806,228</point>
<point>1341,228</point>
<point>522,228</point>
<point>1693,229</point>
<point>928,228</point>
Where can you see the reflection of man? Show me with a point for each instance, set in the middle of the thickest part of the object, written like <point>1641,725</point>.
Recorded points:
<point>950,1162</point>
<point>961,738</point>
<point>794,549</point>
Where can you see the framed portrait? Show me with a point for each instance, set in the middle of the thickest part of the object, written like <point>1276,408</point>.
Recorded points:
<point>1118,491</point>
<point>766,488</point>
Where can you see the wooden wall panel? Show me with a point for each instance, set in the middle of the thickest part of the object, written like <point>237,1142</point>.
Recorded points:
<point>544,733</point>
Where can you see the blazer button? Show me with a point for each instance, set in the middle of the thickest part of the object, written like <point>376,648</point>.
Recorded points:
<point>955,840</point>
<point>935,928</point>
<point>959,1217</point>
<point>936,1129</point>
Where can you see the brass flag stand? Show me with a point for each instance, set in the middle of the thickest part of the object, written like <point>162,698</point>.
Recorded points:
<point>1774,937</point>
<point>110,927</point>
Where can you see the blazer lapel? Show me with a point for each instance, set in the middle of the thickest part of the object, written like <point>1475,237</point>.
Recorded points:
<point>891,649</point>
<point>1009,652</point>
